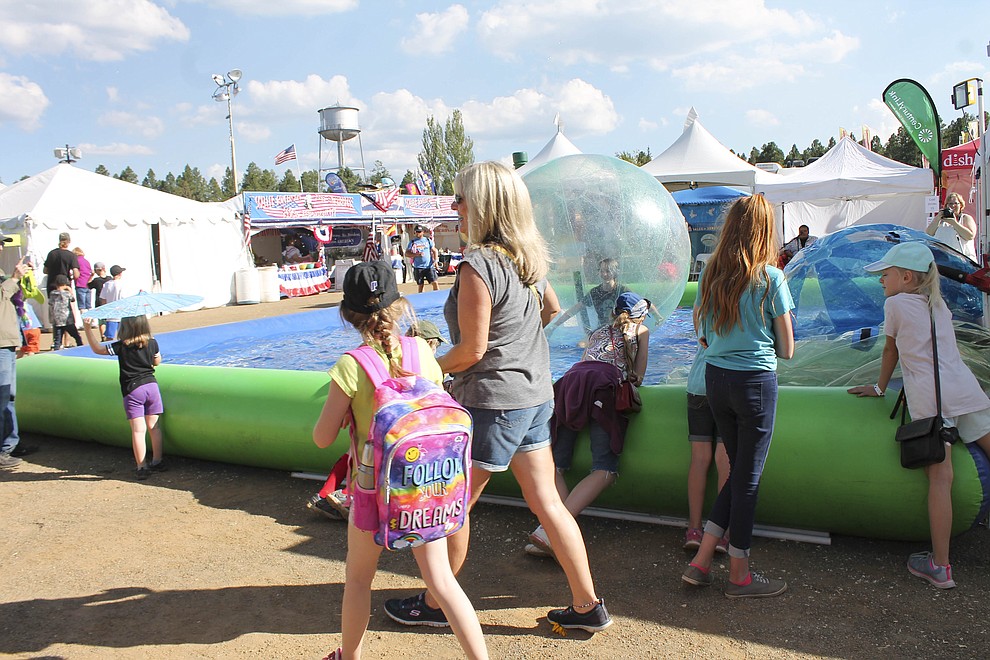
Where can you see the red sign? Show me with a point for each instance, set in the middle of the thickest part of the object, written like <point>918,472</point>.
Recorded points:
<point>959,158</point>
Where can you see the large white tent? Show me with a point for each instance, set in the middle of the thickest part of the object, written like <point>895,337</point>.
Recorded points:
<point>697,158</point>
<point>558,146</point>
<point>849,185</point>
<point>201,245</point>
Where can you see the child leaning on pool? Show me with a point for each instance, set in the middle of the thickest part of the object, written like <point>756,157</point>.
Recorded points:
<point>373,306</point>
<point>910,281</point>
<point>137,356</point>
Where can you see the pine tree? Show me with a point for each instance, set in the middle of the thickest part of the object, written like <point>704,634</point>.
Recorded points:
<point>149,180</point>
<point>446,150</point>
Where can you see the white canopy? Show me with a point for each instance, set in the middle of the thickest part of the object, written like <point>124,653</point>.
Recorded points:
<point>696,158</point>
<point>849,185</point>
<point>201,245</point>
<point>557,146</point>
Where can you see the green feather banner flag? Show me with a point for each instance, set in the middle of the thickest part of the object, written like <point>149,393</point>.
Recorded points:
<point>914,108</point>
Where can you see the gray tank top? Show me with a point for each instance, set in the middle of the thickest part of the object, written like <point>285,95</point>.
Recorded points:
<point>514,373</point>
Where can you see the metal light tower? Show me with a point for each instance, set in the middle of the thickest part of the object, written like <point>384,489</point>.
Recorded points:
<point>68,154</point>
<point>227,89</point>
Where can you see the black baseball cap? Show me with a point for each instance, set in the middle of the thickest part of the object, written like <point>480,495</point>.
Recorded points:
<point>369,286</point>
<point>116,270</point>
<point>419,228</point>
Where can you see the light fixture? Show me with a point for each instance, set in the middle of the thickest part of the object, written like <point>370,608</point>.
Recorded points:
<point>68,154</point>
<point>227,89</point>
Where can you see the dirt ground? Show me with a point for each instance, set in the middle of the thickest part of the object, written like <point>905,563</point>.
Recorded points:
<point>213,560</point>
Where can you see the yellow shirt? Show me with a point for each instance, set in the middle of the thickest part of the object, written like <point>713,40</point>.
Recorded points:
<point>350,377</point>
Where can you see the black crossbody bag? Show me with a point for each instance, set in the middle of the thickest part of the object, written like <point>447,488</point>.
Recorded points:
<point>923,441</point>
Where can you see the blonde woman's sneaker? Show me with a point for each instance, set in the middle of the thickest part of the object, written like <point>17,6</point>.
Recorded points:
<point>692,539</point>
<point>694,575</point>
<point>595,620</point>
<point>923,565</point>
<point>758,587</point>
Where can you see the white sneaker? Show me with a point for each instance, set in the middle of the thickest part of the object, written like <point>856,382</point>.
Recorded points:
<point>539,539</point>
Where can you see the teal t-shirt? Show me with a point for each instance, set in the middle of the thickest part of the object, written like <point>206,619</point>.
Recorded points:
<point>751,346</point>
<point>696,377</point>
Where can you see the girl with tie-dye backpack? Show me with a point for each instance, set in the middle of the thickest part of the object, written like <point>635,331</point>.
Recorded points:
<point>373,306</point>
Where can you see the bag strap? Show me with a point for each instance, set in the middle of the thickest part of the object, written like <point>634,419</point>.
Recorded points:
<point>410,354</point>
<point>901,399</point>
<point>938,384</point>
<point>369,360</point>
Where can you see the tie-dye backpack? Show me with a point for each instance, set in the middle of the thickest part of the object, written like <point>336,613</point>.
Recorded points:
<point>422,445</point>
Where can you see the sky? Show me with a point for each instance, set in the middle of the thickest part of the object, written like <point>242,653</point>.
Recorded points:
<point>129,81</point>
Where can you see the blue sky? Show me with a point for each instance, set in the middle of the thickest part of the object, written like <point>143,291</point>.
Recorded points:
<point>129,81</point>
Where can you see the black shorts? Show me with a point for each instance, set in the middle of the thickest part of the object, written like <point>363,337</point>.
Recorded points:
<point>423,275</point>
<point>701,421</point>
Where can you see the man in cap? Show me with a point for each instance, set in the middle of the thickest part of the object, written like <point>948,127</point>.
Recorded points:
<point>424,257</point>
<point>61,261</point>
<point>10,341</point>
<point>113,290</point>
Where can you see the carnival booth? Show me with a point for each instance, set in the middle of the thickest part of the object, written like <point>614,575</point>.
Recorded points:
<point>341,228</point>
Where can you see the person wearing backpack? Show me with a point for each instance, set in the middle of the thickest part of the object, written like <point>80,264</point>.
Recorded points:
<point>372,304</point>
<point>500,361</point>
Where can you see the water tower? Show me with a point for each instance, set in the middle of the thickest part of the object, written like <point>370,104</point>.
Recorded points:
<point>340,124</point>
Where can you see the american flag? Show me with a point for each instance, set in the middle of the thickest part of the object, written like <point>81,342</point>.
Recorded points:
<point>288,207</point>
<point>246,228</point>
<point>382,199</point>
<point>287,154</point>
<point>428,205</point>
<point>370,249</point>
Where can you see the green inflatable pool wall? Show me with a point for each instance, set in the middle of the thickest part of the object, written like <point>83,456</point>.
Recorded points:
<point>833,465</point>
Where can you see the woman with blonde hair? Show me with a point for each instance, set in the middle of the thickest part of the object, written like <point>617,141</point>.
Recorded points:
<point>955,228</point>
<point>500,360</point>
<point>742,318</point>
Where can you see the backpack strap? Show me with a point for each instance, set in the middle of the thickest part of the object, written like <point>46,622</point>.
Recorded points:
<point>410,354</point>
<point>368,359</point>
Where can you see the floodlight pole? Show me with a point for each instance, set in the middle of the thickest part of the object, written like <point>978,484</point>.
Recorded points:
<point>233,156</point>
<point>227,89</point>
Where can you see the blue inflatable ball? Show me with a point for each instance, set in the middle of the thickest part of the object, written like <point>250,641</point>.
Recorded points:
<point>605,217</point>
<point>833,294</point>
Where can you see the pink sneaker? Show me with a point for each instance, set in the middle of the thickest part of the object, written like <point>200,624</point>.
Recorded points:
<point>722,547</point>
<point>692,539</point>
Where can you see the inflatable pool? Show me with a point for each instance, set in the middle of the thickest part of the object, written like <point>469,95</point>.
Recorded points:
<point>833,466</point>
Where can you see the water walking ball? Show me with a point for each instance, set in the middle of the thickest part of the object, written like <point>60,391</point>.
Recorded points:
<point>833,294</point>
<point>595,208</point>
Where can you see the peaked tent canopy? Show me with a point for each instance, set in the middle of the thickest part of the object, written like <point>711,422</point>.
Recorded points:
<point>557,146</point>
<point>697,158</point>
<point>849,185</point>
<point>201,245</point>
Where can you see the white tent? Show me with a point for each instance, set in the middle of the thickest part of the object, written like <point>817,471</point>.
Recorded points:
<point>697,158</point>
<point>849,185</point>
<point>557,146</point>
<point>201,245</point>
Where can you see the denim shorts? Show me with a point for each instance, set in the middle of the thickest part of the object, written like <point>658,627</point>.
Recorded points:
<point>701,421</point>
<point>499,434</point>
<point>144,400</point>
<point>602,457</point>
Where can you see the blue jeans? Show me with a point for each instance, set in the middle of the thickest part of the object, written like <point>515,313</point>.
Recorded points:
<point>82,297</point>
<point>744,404</point>
<point>8,387</point>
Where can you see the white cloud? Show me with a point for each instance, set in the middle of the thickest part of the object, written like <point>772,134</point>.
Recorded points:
<point>646,125</point>
<point>251,132</point>
<point>22,101</point>
<point>435,33</point>
<point>281,98</point>
<point>686,36</point>
<point>734,73</point>
<point>115,149</point>
<point>147,126</point>
<point>762,118</point>
<point>97,30</point>
<point>113,94</point>
<point>284,7</point>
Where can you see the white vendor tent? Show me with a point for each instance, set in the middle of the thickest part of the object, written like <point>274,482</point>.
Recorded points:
<point>557,146</point>
<point>697,158</point>
<point>201,245</point>
<point>849,185</point>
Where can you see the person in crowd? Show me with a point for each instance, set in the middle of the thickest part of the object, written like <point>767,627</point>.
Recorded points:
<point>332,501</point>
<point>372,304</point>
<point>743,318</point>
<point>706,443</point>
<point>500,360</point>
<point>397,262</point>
<point>292,254</point>
<point>82,282</point>
<point>10,341</point>
<point>795,245</point>
<point>137,356</point>
<point>96,283</point>
<point>616,352</point>
<point>601,298</point>
<point>111,291</point>
<point>60,302</point>
<point>954,228</point>
<point>424,257</point>
<point>61,261</point>
<point>910,282</point>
